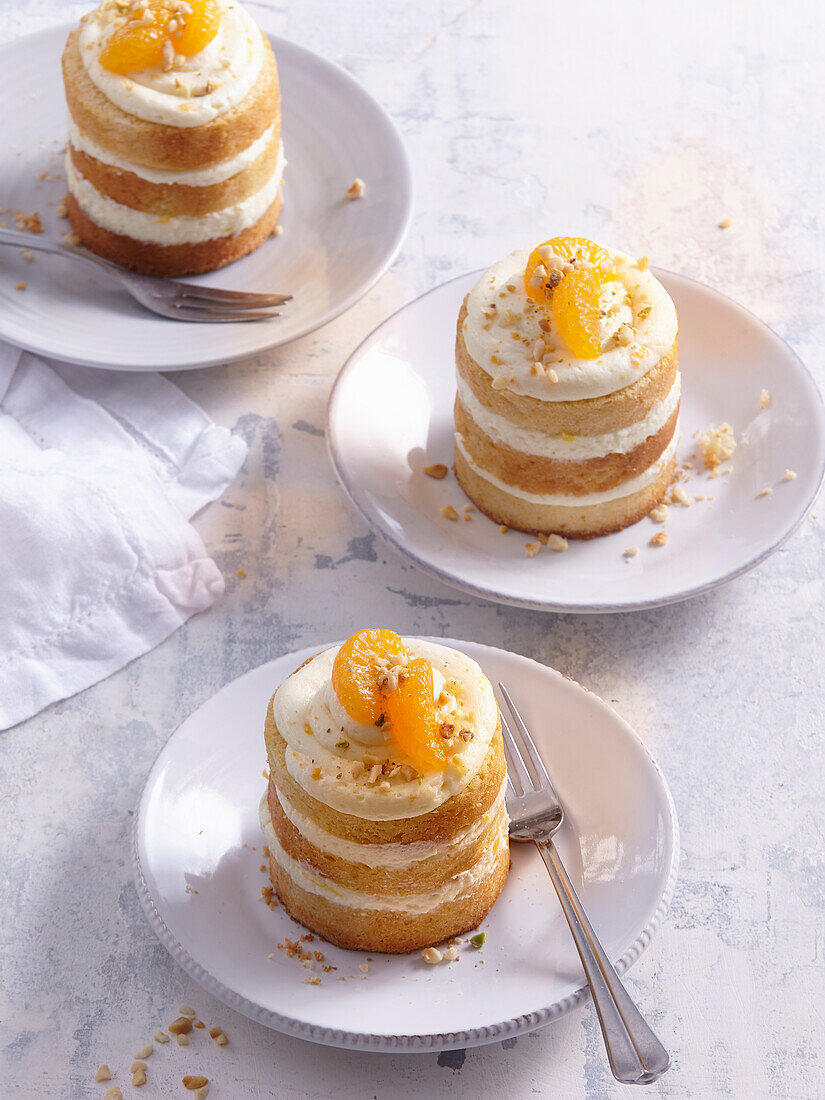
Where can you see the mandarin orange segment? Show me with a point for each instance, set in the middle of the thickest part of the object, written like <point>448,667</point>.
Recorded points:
<point>411,711</point>
<point>575,308</point>
<point>138,43</point>
<point>355,673</point>
<point>567,249</point>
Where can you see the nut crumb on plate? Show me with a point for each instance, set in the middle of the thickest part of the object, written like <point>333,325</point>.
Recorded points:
<point>532,548</point>
<point>145,1051</point>
<point>103,1073</point>
<point>790,475</point>
<point>436,470</point>
<point>766,492</point>
<point>631,552</point>
<point>557,543</point>
<point>356,189</point>
<point>431,956</point>
<point>659,539</point>
<point>139,1078</point>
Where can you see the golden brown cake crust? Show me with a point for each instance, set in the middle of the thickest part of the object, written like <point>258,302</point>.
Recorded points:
<point>539,474</point>
<point>458,812</point>
<point>171,200</point>
<point>155,145</point>
<point>574,523</point>
<point>384,930</point>
<point>590,416</point>
<point>148,258</point>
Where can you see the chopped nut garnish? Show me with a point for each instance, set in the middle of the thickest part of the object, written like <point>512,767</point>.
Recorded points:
<point>504,528</point>
<point>499,382</point>
<point>161,1037</point>
<point>643,263</point>
<point>113,1093</point>
<point>624,335</point>
<point>659,539</point>
<point>103,1073</point>
<point>145,1051</point>
<point>181,1026</point>
<point>764,399</point>
<point>136,1066</point>
<point>450,955</point>
<point>631,551</point>
<point>356,189</point>
<point>557,543</point>
<point>478,939</point>
<point>437,470</point>
<point>766,492</point>
<point>139,1078</point>
<point>431,956</point>
<point>532,548</point>
<point>724,223</point>
<point>659,514</point>
<point>466,735</point>
<point>194,1082</point>
<point>448,512</point>
<point>790,475</point>
<point>215,1031</point>
<point>551,375</point>
<point>717,445</point>
<point>222,1039</point>
<point>199,1023</point>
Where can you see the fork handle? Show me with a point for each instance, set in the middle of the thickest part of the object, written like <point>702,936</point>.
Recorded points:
<point>636,1056</point>
<point>36,243</point>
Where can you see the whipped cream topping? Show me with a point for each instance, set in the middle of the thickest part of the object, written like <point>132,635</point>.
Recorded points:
<point>204,86</point>
<point>180,229</point>
<point>311,880</point>
<point>501,341</point>
<point>569,448</point>
<point>193,177</point>
<point>390,856</point>
<point>632,485</point>
<point>361,770</point>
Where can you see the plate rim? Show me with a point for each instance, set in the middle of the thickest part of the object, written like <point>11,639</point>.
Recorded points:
<point>406,188</point>
<point>417,1043</point>
<point>497,596</point>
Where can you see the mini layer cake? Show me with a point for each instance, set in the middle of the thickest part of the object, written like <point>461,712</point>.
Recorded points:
<point>385,816</point>
<point>567,411</point>
<point>175,159</point>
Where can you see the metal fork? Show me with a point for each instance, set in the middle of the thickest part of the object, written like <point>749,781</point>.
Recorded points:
<point>636,1056</point>
<point>169,298</point>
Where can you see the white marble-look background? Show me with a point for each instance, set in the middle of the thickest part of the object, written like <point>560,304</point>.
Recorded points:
<point>641,125</point>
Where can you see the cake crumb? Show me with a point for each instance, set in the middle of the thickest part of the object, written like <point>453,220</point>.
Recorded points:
<point>448,512</point>
<point>103,1073</point>
<point>277,231</point>
<point>29,223</point>
<point>222,1040</point>
<point>724,223</point>
<point>557,543</point>
<point>431,956</point>
<point>717,445</point>
<point>679,495</point>
<point>790,475</point>
<point>532,548</point>
<point>364,968</point>
<point>450,955</point>
<point>113,1093</point>
<point>659,539</point>
<point>161,1037</point>
<point>436,470</point>
<point>659,514</point>
<point>766,492</point>
<point>631,552</point>
<point>136,1066</point>
<point>764,399</point>
<point>20,286</point>
<point>240,574</point>
<point>145,1051</point>
<point>27,254</point>
<point>307,981</point>
<point>356,189</point>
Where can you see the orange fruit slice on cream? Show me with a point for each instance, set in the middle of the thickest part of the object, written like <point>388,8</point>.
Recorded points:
<point>138,43</point>
<point>355,673</point>
<point>411,711</point>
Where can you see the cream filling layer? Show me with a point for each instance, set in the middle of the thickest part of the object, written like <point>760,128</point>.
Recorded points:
<point>576,449</point>
<point>389,856</point>
<point>181,229</point>
<point>311,880</point>
<point>501,341</point>
<point>327,755</point>
<point>230,63</point>
<point>585,500</point>
<point>195,177</point>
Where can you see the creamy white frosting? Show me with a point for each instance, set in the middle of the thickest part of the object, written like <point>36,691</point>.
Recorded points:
<point>505,350</point>
<point>194,177</point>
<point>311,880</point>
<point>389,856</point>
<point>180,229</point>
<point>585,500</point>
<point>572,449</point>
<point>332,757</point>
<point>231,61</point>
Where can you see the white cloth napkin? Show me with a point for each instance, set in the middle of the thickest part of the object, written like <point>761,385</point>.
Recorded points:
<point>100,473</point>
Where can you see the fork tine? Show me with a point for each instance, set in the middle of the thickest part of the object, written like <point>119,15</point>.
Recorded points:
<point>236,297</point>
<point>515,764</point>
<point>218,306</point>
<point>535,764</point>
<point>183,313</point>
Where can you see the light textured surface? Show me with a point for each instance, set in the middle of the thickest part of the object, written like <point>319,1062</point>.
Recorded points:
<point>641,126</point>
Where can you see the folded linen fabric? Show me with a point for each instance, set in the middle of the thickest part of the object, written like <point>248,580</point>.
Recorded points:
<point>100,473</point>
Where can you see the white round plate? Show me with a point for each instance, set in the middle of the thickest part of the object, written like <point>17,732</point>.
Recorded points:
<point>391,413</point>
<point>197,854</point>
<point>331,252</point>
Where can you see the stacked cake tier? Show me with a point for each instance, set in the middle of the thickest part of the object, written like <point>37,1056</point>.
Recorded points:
<point>175,168</point>
<point>365,848</point>
<point>549,441</point>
